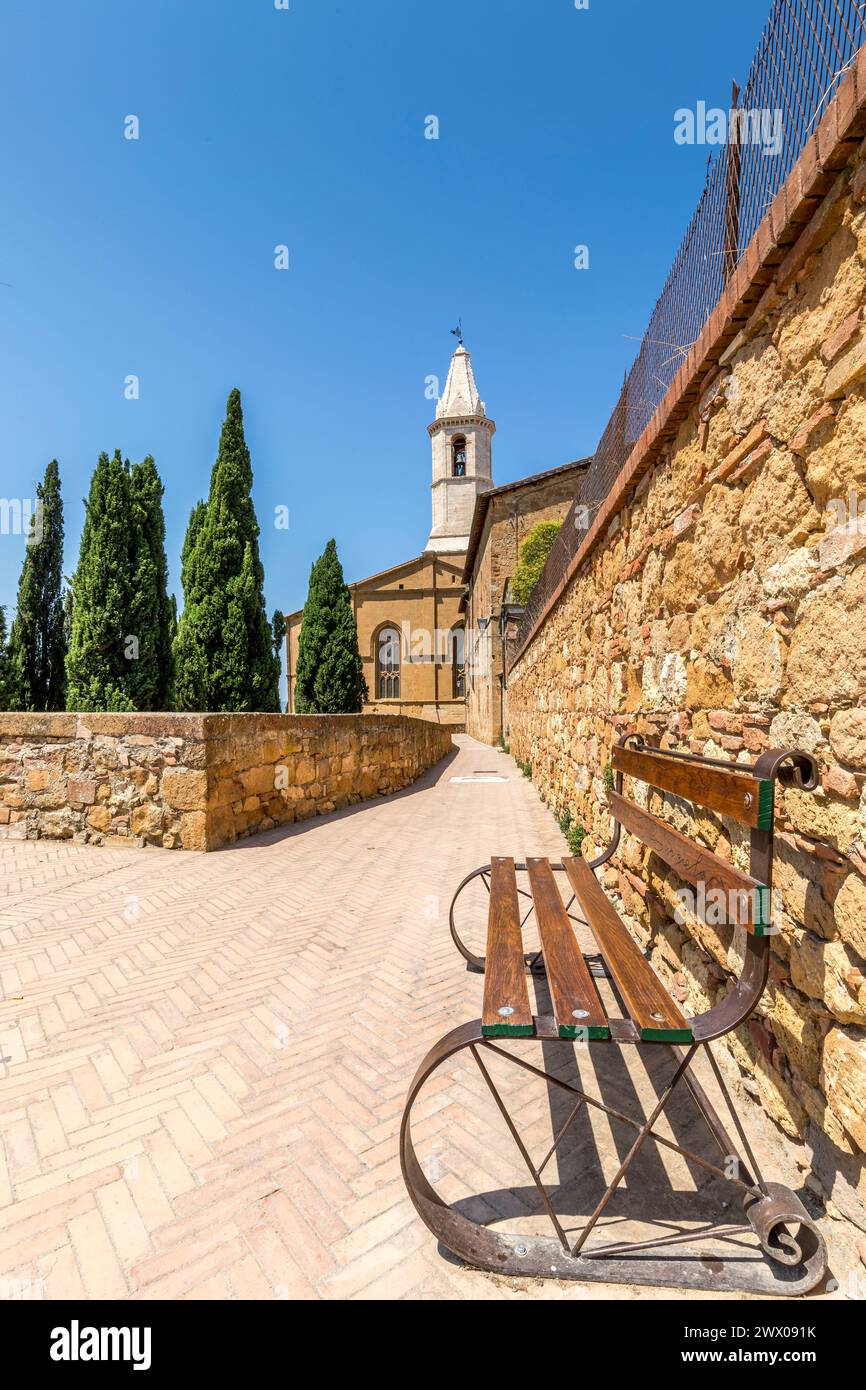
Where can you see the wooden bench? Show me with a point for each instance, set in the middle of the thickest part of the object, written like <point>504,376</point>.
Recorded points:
<point>634,1009</point>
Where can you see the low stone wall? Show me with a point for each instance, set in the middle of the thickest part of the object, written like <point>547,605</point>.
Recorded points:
<point>723,611</point>
<point>197,781</point>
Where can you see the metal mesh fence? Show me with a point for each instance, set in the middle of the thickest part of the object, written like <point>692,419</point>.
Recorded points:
<point>804,51</point>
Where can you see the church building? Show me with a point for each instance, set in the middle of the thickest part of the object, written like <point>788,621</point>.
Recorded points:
<point>411,618</point>
<point>410,629</point>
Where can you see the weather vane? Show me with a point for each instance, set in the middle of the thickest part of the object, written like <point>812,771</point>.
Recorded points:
<point>458,332</point>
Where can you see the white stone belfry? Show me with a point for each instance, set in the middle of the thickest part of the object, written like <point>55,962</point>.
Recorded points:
<point>462,439</point>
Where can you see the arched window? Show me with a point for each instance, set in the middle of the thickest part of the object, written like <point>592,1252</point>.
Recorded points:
<point>458,457</point>
<point>388,664</point>
<point>458,663</point>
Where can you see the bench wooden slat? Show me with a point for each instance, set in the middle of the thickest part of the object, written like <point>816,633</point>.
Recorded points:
<point>577,1008</point>
<point>746,798</point>
<point>698,865</point>
<point>648,1002</point>
<point>505,977</point>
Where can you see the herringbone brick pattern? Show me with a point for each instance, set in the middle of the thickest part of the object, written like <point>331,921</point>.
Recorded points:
<point>203,1059</point>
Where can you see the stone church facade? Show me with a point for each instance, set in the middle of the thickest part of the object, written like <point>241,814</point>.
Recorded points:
<point>412,618</point>
<point>410,628</point>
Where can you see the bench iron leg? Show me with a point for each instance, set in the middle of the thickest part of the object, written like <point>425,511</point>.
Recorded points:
<point>787,1235</point>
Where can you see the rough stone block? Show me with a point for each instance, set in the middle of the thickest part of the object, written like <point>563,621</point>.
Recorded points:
<point>846,372</point>
<point>194,830</point>
<point>257,781</point>
<point>304,772</point>
<point>184,789</point>
<point>827,972</point>
<point>147,820</point>
<point>81,789</point>
<point>843,1079</point>
<point>849,911</point>
<point>841,336</point>
<point>842,542</point>
<point>848,737</point>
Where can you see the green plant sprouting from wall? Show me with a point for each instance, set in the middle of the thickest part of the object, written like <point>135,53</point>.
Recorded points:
<point>573,832</point>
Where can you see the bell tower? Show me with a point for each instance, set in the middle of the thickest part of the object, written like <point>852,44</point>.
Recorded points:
<point>462,437</point>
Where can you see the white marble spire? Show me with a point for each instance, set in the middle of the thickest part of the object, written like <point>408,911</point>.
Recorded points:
<point>460,396</point>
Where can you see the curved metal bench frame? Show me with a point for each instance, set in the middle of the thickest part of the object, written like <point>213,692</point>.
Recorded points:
<point>795,1250</point>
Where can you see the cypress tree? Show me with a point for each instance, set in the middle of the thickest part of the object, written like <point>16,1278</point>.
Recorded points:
<point>278,627</point>
<point>120,614</point>
<point>4,663</point>
<point>37,642</point>
<point>151,614</point>
<point>224,655</point>
<point>330,674</point>
<point>67,618</point>
<point>189,657</point>
<point>98,662</point>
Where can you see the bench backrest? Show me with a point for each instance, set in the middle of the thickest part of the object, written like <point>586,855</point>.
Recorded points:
<point>743,792</point>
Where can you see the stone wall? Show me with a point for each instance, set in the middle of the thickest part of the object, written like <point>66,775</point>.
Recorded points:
<point>197,781</point>
<point>723,611</point>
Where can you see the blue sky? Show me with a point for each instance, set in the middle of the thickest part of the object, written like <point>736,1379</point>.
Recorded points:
<point>305,127</point>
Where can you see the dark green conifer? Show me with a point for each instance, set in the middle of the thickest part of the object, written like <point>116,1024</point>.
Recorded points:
<point>150,675</point>
<point>330,675</point>
<point>224,656</point>
<point>4,663</point>
<point>101,644</point>
<point>37,641</point>
<point>120,655</point>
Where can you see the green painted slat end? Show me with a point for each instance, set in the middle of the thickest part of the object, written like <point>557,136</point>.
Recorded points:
<point>764,915</point>
<point>765,805</point>
<point>668,1035</point>
<point>508,1030</point>
<point>571,1032</point>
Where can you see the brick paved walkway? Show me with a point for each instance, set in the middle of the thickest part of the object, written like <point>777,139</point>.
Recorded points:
<point>203,1059</point>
